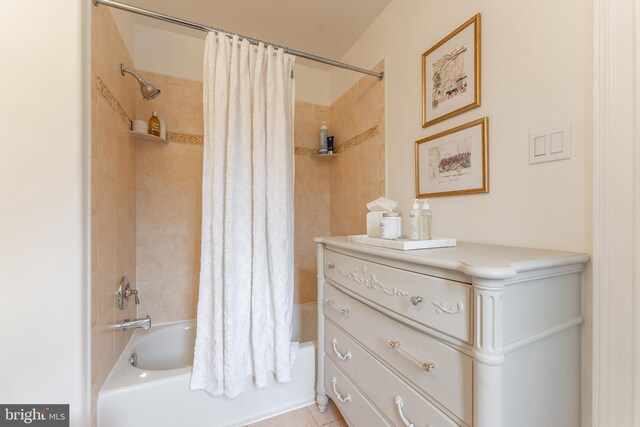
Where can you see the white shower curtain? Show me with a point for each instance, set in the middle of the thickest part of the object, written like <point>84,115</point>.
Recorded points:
<point>246,270</point>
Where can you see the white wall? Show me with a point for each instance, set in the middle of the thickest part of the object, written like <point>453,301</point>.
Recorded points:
<point>126,27</point>
<point>312,84</point>
<point>43,320</point>
<point>180,55</point>
<point>168,53</point>
<point>536,72</point>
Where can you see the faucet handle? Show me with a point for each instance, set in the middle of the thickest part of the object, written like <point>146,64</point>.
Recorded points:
<point>128,292</point>
<point>124,292</point>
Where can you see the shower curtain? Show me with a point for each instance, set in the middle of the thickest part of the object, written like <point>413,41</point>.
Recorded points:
<point>246,270</point>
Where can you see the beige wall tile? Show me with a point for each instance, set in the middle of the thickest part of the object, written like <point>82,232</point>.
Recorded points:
<point>113,201</point>
<point>358,175</point>
<point>176,81</point>
<point>107,137</point>
<point>111,52</point>
<point>169,191</point>
<point>183,108</point>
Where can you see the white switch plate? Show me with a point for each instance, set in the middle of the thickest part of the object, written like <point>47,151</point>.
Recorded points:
<point>549,145</point>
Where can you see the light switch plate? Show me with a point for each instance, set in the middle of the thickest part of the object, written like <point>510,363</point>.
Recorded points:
<point>549,145</point>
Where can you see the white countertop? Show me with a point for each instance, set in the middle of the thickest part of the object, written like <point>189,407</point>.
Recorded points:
<point>474,259</point>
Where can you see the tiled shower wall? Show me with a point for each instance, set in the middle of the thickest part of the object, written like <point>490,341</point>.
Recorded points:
<point>113,197</point>
<point>169,198</point>
<point>312,196</point>
<point>330,193</point>
<point>358,176</point>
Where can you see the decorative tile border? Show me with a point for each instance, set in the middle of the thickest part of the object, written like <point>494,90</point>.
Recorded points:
<point>357,140</point>
<point>185,138</point>
<point>104,91</point>
<point>306,151</point>
<point>353,142</point>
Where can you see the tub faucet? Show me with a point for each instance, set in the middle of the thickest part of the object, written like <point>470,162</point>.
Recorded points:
<point>142,323</point>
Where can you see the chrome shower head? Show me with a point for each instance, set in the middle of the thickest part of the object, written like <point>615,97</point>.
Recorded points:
<point>148,90</point>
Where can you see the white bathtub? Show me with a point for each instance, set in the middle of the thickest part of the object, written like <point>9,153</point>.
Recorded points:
<point>156,393</point>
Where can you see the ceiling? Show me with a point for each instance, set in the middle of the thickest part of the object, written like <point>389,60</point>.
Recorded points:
<point>326,28</point>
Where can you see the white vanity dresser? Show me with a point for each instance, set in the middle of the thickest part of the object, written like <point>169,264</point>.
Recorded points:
<point>474,335</point>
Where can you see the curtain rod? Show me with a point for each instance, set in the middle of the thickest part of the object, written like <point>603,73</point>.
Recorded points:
<point>200,27</point>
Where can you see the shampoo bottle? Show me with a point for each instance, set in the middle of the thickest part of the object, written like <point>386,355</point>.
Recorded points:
<point>154,125</point>
<point>425,222</point>
<point>323,138</point>
<point>414,221</point>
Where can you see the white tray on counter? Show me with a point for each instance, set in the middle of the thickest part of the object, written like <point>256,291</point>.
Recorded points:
<point>403,244</point>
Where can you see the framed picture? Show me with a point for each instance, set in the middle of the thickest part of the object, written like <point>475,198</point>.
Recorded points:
<point>451,74</point>
<point>454,162</point>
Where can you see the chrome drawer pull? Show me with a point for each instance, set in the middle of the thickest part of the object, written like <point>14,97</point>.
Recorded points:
<point>331,303</point>
<point>341,398</point>
<point>400,404</point>
<point>340,355</point>
<point>425,366</point>
<point>416,300</point>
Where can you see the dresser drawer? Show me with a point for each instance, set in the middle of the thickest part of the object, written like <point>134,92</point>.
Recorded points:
<point>382,387</point>
<point>437,303</point>
<point>351,403</point>
<point>449,382</point>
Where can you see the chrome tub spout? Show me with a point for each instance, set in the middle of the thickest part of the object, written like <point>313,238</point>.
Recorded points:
<point>142,323</point>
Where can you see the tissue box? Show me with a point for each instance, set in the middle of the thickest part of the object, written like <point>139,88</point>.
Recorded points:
<point>373,223</point>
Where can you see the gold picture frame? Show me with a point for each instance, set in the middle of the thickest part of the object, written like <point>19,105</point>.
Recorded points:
<point>453,162</point>
<point>446,84</point>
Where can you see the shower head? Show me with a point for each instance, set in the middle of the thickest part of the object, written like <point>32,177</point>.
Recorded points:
<point>148,90</point>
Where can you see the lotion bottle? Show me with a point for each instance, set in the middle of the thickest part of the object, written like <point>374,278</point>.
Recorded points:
<point>425,222</point>
<point>323,138</point>
<point>414,221</point>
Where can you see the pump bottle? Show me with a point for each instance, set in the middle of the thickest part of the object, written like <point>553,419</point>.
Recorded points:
<point>414,221</point>
<point>425,222</point>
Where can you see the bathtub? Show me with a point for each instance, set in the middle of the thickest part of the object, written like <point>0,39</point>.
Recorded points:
<point>156,392</point>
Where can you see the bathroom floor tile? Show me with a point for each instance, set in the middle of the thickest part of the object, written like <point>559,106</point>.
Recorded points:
<point>339,423</point>
<point>305,417</point>
<point>330,415</point>
<point>298,418</point>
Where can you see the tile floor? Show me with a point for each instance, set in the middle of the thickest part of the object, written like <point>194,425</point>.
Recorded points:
<point>306,417</point>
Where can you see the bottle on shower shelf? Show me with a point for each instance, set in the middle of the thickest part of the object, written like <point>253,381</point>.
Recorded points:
<point>323,138</point>
<point>154,125</point>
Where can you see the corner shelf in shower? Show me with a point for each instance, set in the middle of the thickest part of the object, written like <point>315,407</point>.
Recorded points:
<point>142,136</point>
<point>325,156</point>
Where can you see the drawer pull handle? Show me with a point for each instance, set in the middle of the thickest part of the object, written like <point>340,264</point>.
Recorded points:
<point>443,307</point>
<point>331,303</point>
<point>341,398</point>
<point>340,355</point>
<point>416,300</point>
<point>331,266</point>
<point>400,404</point>
<point>425,366</point>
